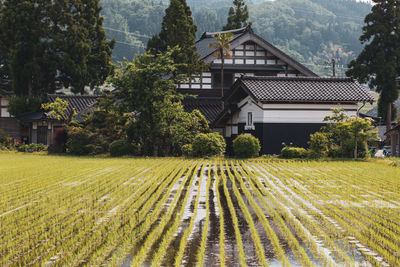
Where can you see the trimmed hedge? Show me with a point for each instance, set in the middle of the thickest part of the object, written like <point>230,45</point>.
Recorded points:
<point>246,146</point>
<point>293,152</point>
<point>207,145</point>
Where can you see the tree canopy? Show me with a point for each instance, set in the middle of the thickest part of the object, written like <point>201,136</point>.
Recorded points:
<point>237,16</point>
<point>178,29</point>
<point>49,44</point>
<point>379,61</point>
<point>147,90</point>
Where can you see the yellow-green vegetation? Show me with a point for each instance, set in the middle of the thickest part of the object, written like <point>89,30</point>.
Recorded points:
<point>71,211</point>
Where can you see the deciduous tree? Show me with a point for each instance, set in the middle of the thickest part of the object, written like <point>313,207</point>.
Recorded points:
<point>147,90</point>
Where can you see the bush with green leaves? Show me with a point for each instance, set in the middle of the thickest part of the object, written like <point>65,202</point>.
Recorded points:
<point>319,144</point>
<point>4,139</point>
<point>31,148</point>
<point>347,136</point>
<point>207,145</point>
<point>187,150</point>
<point>83,142</point>
<point>122,148</point>
<point>289,152</point>
<point>246,146</point>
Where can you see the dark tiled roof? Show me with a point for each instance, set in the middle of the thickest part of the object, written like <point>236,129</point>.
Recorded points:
<point>81,103</point>
<point>32,116</point>
<point>305,89</point>
<point>203,45</point>
<point>374,112</point>
<point>209,107</point>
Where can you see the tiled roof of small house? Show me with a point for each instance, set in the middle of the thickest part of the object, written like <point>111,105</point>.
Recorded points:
<point>305,89</point>
<point>81,103</point>
<point>210,108</point>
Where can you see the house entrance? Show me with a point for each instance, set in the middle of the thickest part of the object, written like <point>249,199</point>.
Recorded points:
<point>42,135</point>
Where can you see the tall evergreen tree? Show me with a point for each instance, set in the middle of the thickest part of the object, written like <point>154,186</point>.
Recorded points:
<point>379,61</point>
<point>237,16</point>
<point>178,29</point>
<point>50,44</point>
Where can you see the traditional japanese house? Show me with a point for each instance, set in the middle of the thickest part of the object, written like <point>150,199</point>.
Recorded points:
<point>40,127</point>
<point>267,93</point>
<point>251,56</point>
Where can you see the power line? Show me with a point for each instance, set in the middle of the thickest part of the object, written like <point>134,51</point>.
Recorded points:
<point>320,13</point>
<point>133,45</point>
<point>131,33</point>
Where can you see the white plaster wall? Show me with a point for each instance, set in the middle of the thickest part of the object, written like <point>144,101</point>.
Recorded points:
<point>3,101</point>
<point>289,113</point>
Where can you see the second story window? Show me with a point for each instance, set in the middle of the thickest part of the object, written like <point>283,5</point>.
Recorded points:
<point>228,80</point>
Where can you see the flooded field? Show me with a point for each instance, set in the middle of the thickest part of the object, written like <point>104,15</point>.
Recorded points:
<point>64,211</point>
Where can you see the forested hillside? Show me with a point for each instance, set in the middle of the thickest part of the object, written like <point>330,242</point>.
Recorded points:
<point>312,31</point>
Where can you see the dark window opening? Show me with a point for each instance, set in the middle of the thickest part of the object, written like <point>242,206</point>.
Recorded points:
<point>250,118</point>
<point>228,80</point>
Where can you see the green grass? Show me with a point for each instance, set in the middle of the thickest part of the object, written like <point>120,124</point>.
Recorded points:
<point>72,211</point>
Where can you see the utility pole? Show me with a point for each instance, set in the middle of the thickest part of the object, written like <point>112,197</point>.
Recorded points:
<point>331,65</point>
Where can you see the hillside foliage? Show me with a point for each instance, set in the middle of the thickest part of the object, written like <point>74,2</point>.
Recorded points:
<point>312,31</point>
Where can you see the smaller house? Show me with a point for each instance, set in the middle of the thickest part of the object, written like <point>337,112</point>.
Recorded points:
<point>8,124</point>
<point>287,110</point>
<point>394,135</point>
<point>39,127</point>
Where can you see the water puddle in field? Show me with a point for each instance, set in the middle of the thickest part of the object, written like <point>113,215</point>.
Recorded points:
<point>231,250</point>
<point>128,259</point>
<point>129,181</point>
<point>310,208</point>
<point>268,248</point>
<point>212,247</point>
<point>173,248</point>
<point>350,246</point>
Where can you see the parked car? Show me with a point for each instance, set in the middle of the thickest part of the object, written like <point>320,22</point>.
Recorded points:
<point>387,151</point>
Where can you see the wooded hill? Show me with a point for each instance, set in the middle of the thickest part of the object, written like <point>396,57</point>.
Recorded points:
<point>312,31</point>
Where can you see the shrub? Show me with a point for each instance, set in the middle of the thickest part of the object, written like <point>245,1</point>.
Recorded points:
<point>335,151</point>
<point>121,148</point>
<point>32,148</point>
<point>78,141</point>
<point>246,146</point>
<point>211,144</point>
<point>187,150</point>
<point>5,141</point>
<point>293,152</point>
<point>3,138</point>
<point>319,144</point>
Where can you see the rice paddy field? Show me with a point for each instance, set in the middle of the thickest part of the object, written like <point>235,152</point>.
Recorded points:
<point>69,211</point>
